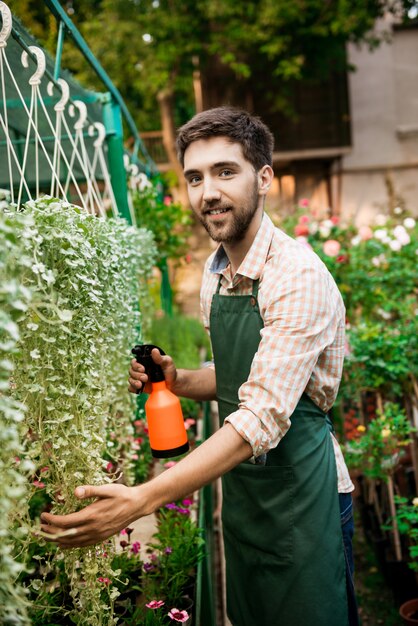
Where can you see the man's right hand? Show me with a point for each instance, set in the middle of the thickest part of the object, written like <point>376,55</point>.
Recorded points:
<point>138,379</point>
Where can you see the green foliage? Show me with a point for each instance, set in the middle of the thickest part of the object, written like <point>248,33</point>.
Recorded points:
<point>177,548</point>
<point>167,220</point>
<point>407,520</point>
<point>375,270</point>
<point>14,301</point>
<point>378,451</point>
<point>86,275</point>
<point>183,338</point>
<point>270,43</point>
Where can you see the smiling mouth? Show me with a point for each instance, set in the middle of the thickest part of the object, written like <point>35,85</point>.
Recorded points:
<point>216,211</point>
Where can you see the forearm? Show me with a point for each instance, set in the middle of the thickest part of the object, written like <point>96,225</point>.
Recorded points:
<point>196,384</point>
<point>213,458</point>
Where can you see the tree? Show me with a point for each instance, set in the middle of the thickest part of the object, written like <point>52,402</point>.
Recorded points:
<point>151,48</point>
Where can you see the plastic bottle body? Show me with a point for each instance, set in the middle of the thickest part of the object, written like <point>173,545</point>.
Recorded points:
<point>167,434</point>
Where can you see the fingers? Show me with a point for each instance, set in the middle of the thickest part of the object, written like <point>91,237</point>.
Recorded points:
<point>137,377</point>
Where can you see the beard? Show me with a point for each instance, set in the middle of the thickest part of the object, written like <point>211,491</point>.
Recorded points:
<point>236,230</point>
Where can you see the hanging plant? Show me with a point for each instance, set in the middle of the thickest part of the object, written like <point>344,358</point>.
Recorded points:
<point>87,275</point>
<point>14,300</point>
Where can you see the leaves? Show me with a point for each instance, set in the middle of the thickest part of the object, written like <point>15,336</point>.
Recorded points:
<point>85,275</point>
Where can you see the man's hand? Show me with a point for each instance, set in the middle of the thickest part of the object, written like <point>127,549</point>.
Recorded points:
<point>115,508</point>
<point>138,380</point>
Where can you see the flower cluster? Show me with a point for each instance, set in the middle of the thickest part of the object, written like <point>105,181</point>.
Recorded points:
<point>374,266</point>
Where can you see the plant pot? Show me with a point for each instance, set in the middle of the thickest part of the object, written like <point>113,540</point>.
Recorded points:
<point>400,579</point>
<point>409,612</point>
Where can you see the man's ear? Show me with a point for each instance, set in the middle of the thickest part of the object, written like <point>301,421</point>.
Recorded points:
<point>265,176</point>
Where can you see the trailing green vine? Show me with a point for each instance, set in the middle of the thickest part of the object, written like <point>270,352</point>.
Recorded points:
<point>14,300</point>
<point>87,275</point>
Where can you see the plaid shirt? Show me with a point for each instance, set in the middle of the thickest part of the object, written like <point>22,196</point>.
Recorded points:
<point>302,342</point>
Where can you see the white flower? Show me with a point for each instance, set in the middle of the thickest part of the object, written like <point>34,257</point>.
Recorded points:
<point>143,182</point>
<point>384,314</point>
<point>397,210</point>
<point>377,260</point>
<point>401,235</point>
<point>415,501</point>
<point>35,354</point>
<point>395,245</point>
<point>313,228</point>
<point>327,223</point>
<point>38,268</point>
<point>380,233</point>
<point>381,219</point>
<point>324,231</point>
<point>409,222</point>
<point>356,240</point>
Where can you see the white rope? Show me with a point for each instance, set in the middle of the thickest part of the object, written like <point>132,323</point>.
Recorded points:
<point>99,159</point>
<point>31,122</point>
<point>96,196</point>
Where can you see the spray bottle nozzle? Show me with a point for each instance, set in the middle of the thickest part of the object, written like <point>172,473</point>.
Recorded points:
<point>143,356</point>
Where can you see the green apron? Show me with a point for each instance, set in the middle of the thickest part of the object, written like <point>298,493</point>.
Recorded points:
<point>281,521</point>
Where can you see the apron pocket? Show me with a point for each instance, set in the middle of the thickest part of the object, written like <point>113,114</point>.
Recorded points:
<point>257,513</point>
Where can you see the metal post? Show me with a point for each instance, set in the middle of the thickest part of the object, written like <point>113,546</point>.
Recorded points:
<point>112,120</point>
<point>60,44</point>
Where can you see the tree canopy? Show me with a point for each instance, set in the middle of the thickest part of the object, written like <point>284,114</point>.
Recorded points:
<point>149,47</point>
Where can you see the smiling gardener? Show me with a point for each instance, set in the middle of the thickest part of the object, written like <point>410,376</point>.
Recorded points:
<point>276,322</point>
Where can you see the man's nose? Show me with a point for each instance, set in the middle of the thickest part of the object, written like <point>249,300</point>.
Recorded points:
<point>210,191</point>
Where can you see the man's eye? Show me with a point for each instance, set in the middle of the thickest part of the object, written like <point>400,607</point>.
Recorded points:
<point>226,173</point>
<point>194,180</point>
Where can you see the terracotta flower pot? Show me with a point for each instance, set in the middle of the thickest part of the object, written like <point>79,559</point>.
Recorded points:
<point>409,612</point>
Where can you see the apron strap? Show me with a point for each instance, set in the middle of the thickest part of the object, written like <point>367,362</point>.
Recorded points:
<point>254,291</point>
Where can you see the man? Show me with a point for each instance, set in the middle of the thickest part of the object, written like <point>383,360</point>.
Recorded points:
<point>276,321</point>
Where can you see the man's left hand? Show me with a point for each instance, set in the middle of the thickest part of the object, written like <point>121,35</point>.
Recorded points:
<point>115,508</point>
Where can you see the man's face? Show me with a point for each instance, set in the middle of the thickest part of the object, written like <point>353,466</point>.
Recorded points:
<point>222,187</point>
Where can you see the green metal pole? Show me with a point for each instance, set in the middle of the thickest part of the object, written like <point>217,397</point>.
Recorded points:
<point>60,45</point>
<point>166,293</point>
<point>112,120</point>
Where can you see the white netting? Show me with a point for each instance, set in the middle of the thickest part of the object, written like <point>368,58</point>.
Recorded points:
<point>46,138</point>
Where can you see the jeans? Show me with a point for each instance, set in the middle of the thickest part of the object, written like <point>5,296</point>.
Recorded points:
<point>347,525</point>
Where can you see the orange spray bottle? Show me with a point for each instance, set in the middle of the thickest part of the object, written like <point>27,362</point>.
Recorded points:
<point>167,433</point>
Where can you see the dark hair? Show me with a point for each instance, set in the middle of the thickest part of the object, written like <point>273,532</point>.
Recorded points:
<point>236,125</point>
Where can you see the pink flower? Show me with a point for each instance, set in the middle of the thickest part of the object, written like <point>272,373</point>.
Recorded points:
<point>188,258</point>
<point>331,247</point>
<point>301,229</point>
<point>365,233</point>
<point>170,464</point>
<point>167,200</point>
<point>178,616</point>
<point>123,531</point>
<point>39,484</point>
<point>104,580</point>
<point>304,219</point>
<point>134,457</point>
<point>189,422</point>
<point>304,202</point>
<point>44,469</point>
<point>335,219</point>
<point>187,502</point>
<point>155,604</point>
<point>135,547</point>
<point>109,467</point>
